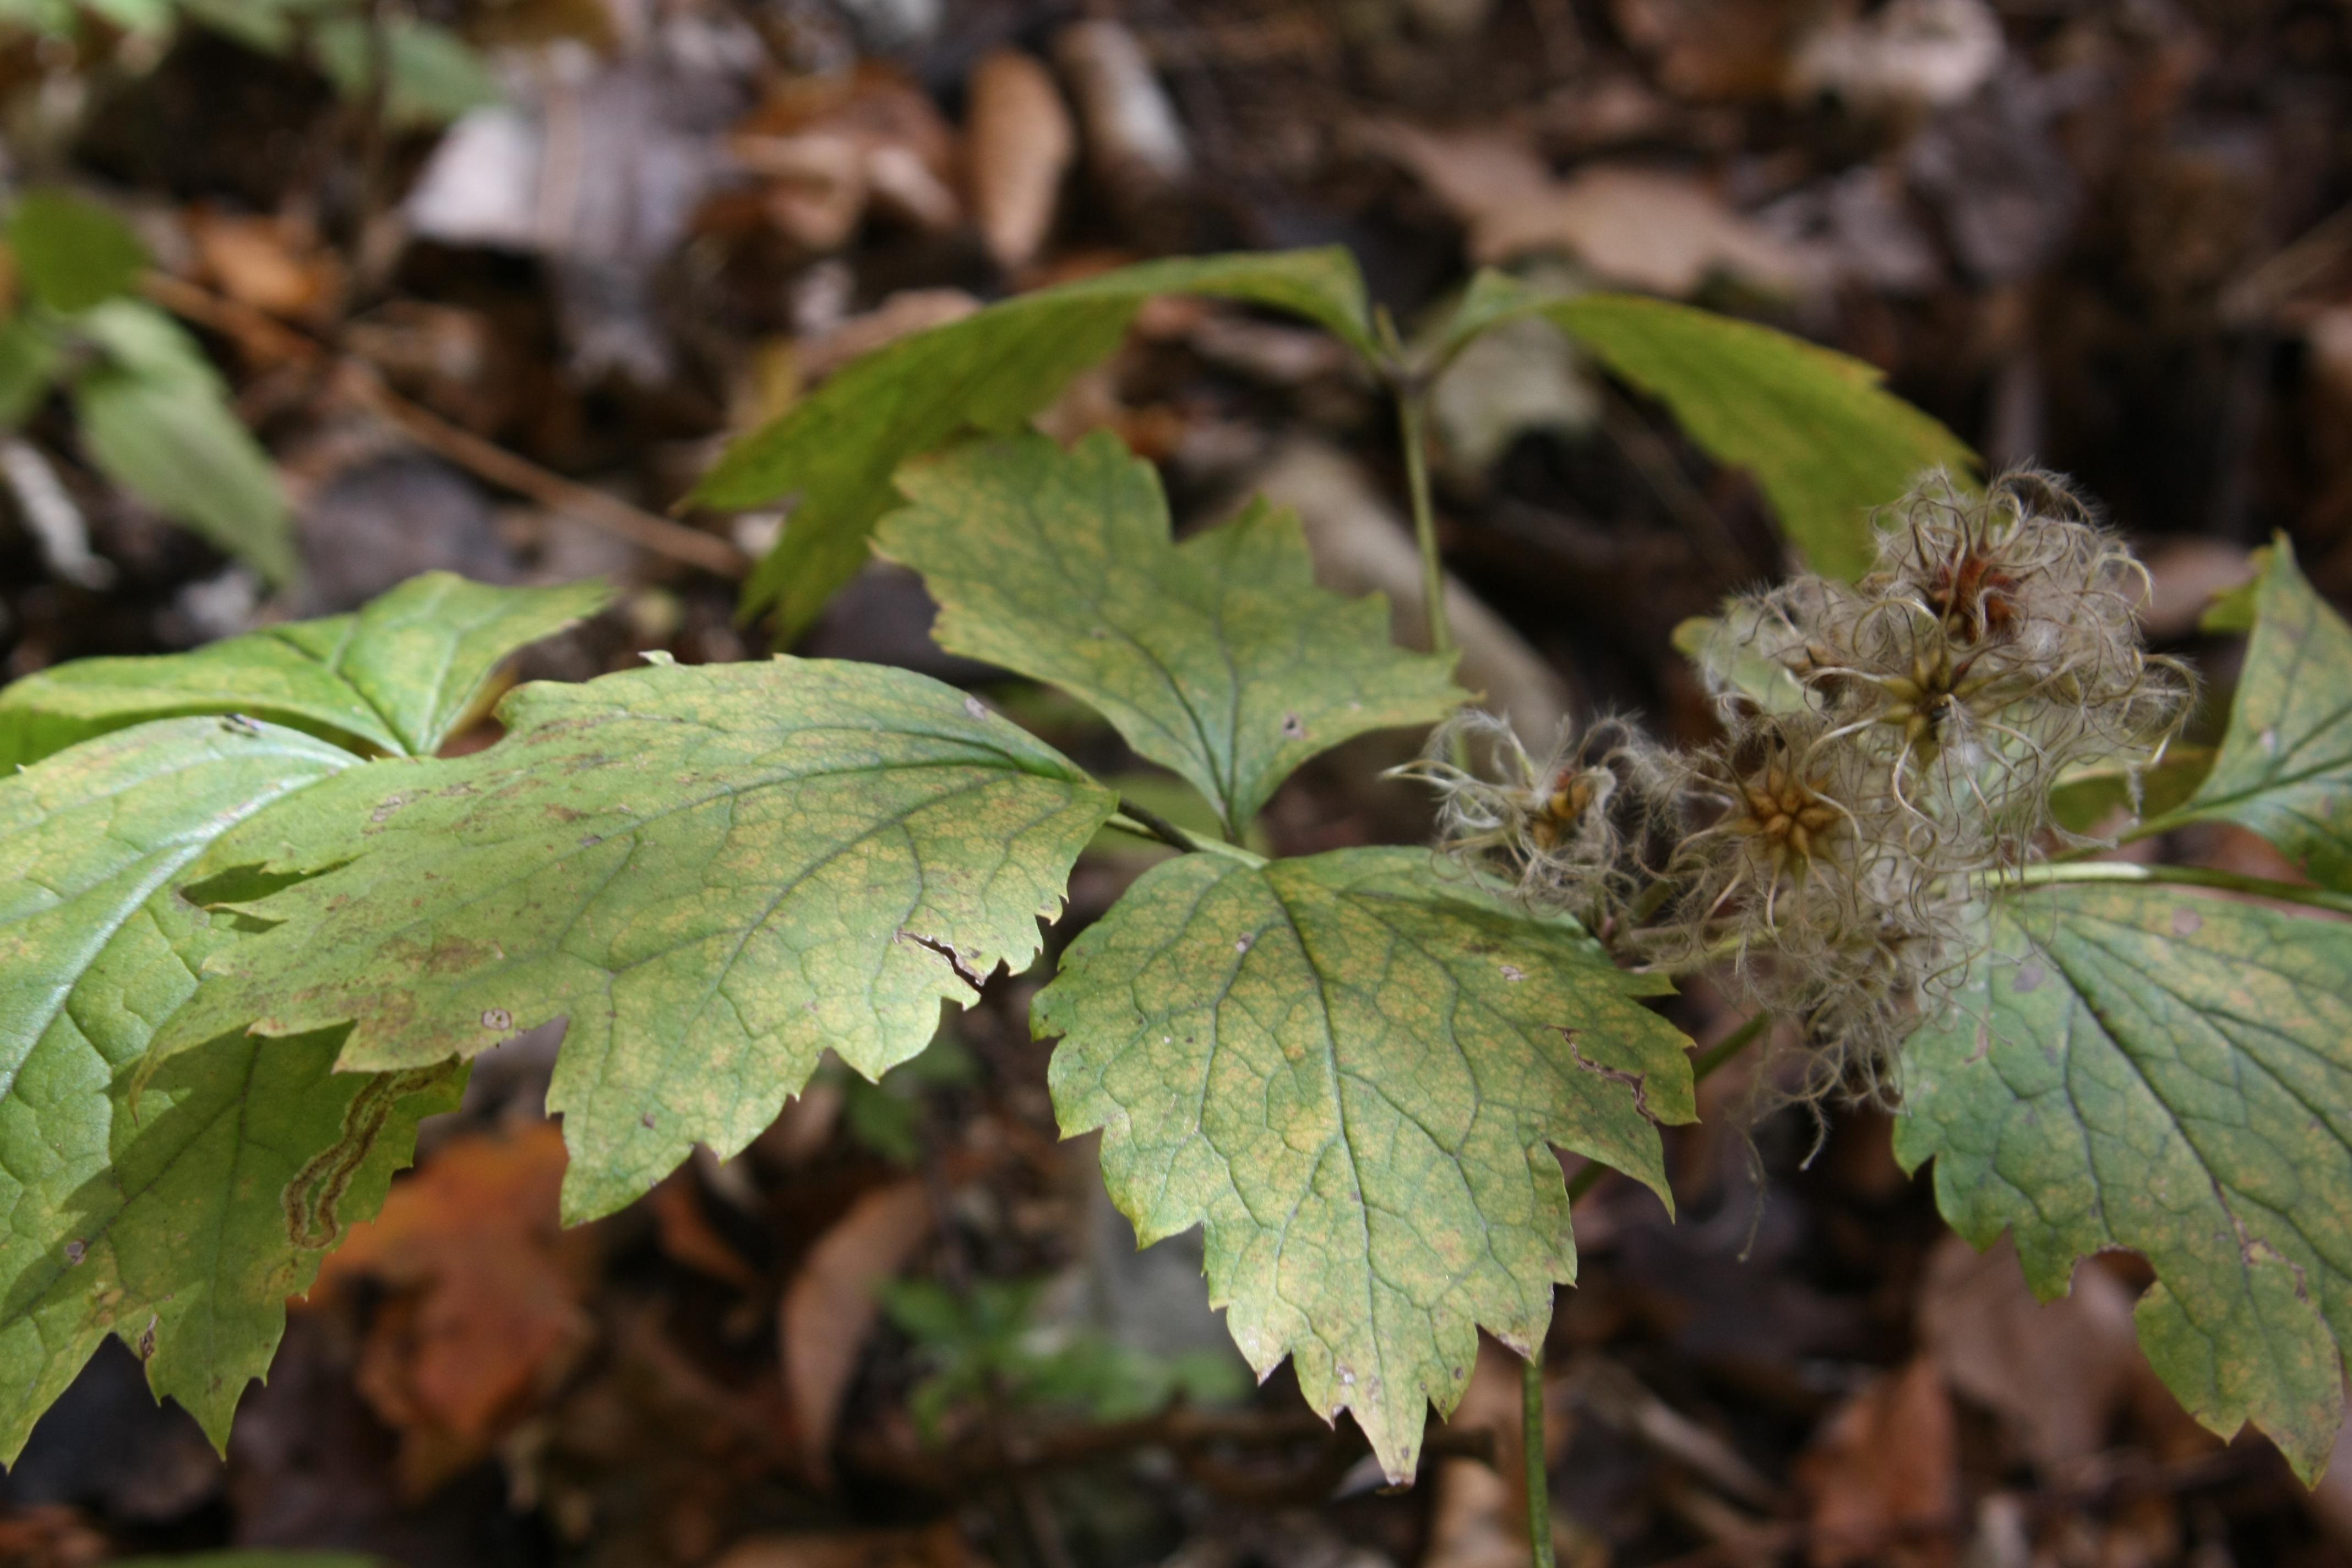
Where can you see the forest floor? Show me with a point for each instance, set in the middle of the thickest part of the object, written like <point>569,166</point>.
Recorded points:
<point>2106,236</point>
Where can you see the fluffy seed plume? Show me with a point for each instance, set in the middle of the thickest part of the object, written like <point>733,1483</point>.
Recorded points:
<point>1889,744</point>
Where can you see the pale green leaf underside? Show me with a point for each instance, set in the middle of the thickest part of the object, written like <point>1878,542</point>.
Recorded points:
<point>1827,445</point>
<point>837,450</point>
<point>398,677</point>
<point>2285,765</point>
<point>2172,1073</point>
<point>2082,801</point>
<point>1723,657</point>
<point>1353,1073</point>
<point>167,1226</point>
<point>1219,659</point>
<point>157,420</point>
<point>715,873</point>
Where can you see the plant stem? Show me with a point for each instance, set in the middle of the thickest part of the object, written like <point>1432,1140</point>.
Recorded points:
<point>2050,873</point>
<point>1133,818</point>
<point>1722,1051</point>
<point>1531,1438</point>
<point>1411,429</point>
<point>1157,826</point>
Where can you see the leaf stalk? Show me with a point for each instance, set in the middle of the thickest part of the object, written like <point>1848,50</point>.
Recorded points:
<point>1531,1440</point>
<point>2062,872</point>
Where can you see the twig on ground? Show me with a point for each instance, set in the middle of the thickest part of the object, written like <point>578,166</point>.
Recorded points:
<point>356,379</point>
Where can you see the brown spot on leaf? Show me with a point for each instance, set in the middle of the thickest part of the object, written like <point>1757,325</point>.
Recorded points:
<point>2030,976</point>
<point>2186,923</point>
<point>1293,728</point>
<point>1638,1082</point>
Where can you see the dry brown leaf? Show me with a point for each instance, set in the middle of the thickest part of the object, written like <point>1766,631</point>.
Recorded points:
<point>2184,574</point>
<point>1882,1476</point>
<point>941,1546</point>
<point>687,1235</point>
<point>486,1289</point>
<point>1133,137</point>
<point>2331,1500</point>
<point>275,265</point>
<point>1019,142</point>
<point>1715,48</point>
<point>2057,1372</point>
<point>800,1133</point>
<point>1647,228</point>
<point>1478,1512</point>
<point>829,148</point>
<point>49,1535</point>
<point>1362,544</point>
<point>830,1307</point>
<point>1908,58</point>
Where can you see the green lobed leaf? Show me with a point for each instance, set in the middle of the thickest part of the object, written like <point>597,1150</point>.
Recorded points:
<point>2137,1067</point>
<point>1826,442</point>
<point>72,254</point>
<point>1219,659</point>
<point>832,453</point>
<point>715,873</point>
<point>156,419</point>
<point>163,1220</point>
<point>2285,765</point>
<point>400,676</point>
<point>1353,1074</point>
<point>30,360</point>
<point>431,75</point>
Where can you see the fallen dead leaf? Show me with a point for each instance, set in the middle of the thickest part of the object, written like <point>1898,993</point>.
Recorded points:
<point>275,265</point>
<point>1478,1510</point>
<point>687,1235</point>
<point>2184,575</point>
<point>486,1287</point>
<point>1648,228</point>
<point>831,148</point>
<point>1362,544</point>
<point>2056,1372</point>
<point>1906,57</point>
<point>800,1133</point>
<point>1133,137</point>
<point>1019,142</point>
<point>2331,1500</point>
<point>49,1535</point>
<point>829,1307</point>
<point>1882,1476</point>
<point>941,1546</point>
<point>1714,48</point>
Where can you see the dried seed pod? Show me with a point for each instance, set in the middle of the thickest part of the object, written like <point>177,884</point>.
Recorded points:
<point>1581,832</point>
